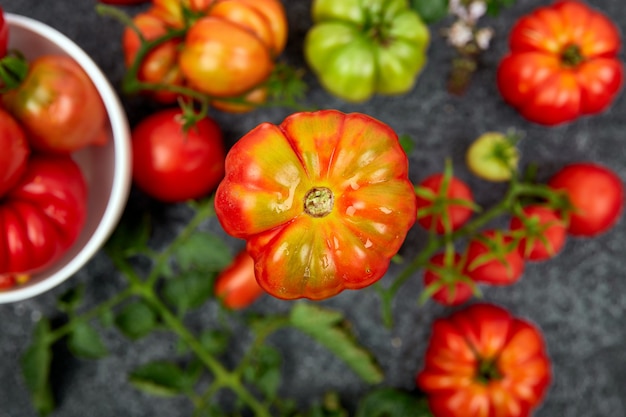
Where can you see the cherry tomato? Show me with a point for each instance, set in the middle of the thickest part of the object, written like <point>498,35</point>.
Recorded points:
<point>42,215</point>
<point>323,201</point>
<point>544,232</point>
<point>15,152</point>
<point>58,106</point>
<point>596,193</point>
<point>236,285</point>
<point>482,361</point>
<point>493,258</point>
<point>563,63</point>
<point>436,197</point>
<point>172,165</point>
<point>4,34</point>
<point>453,290</point>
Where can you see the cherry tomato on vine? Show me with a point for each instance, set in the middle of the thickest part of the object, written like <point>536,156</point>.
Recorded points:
<point>15,152</point>
<point>58,106</point>
<point>174,165</point>
<point>597,196</point>
<point>563,63</point>
<point>236,285</point>
<point>42,215</point>
<point>323,200</point>
<point>544,232</point>
<point>452,289</point>
<point>4,34</point>
<point>493,258</point>
<point>482,361</point>
<point>446,202</point>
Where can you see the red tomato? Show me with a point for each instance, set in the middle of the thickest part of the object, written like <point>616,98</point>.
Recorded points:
<point>15,152</point>
<point>563,63</point>
<point>452,290</point>
<point>493,258</point>
<point>482,361</point>
<point>58,106</point>
<point>172,165</point>
<point>597,196</point>
<point>4,34</point>
<point>41,217</point>
<point>434,200</point>
<point>236,285</point>
<point>544,232</point>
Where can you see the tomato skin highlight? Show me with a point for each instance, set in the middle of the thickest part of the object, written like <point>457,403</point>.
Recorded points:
<point>597,194</point>
<point>553,229</point>
<point>563,63</point>
<point>236,285</point>
<point>457,214</point>
<point>482,361</point>
<point>15,151</point>
<point>326,209</point>
<point>173,166</point>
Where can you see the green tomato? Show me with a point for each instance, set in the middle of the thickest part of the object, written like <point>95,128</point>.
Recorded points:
<point>493,156</point>
<point>358,48</point>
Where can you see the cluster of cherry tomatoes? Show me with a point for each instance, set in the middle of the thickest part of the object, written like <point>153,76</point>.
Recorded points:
<point>49,108</point>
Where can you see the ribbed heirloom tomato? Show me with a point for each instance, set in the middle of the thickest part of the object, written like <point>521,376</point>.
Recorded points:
<point>323,200</point>
<point>562,64</point>
<point>15,152</point>
<point>483,362</point>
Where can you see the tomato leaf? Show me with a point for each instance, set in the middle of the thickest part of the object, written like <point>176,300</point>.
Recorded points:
<point>407,143</point>
<point>136,320</point>
<point>389,402</point>
<point>264,370</point>
<point>430,11</point>
<point>35,364</point>
<point>84,341</point>
<point>70,300</point>
<point>164,379</point>
<point>188,290</point>
<point>130,237</point>
<point>215,341</point>
<point>328,328</point>
<point>203,251</point>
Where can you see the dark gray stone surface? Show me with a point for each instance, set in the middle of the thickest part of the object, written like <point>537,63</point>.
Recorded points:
<point>578,299</point>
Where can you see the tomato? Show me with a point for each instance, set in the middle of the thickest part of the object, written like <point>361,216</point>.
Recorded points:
<point>15,152</point>
<point>359,48</point>
<point>596,194</point>
<point>544,232</point>
<point>4,35</point>
<point>493,156</point>
<point>172,165</point>
<point>123,2</point>
<point>42,215</point>
<point>58,106</point>
<point>563,63</point>
<point>493,258</point>
<point>323,200</point>
<point>231,50</point>
<point>160,65</point>
<point>450,285</point>
<point>236,285</point>
<point>482,361</point>
<point>448,202</point>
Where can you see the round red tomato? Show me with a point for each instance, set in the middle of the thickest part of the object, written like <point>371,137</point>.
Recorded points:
<point>596,194</point>
<point>493,258</point>
<point>236,285</point>
<point>563,63</point>
<point>544,232</point>
<point>58,106</point>
<point>449,283</point>
<point>448,202</point>
<point>174,165</point>
<point>15,152</point>
<point>482,361</point>
<point>4,34</point>
<point>42,215</point>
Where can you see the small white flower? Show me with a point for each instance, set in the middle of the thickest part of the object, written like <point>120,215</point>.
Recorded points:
<point>476,10</point>
<point>483,37</point>
<point>460,34</point>
<point>456,8</point>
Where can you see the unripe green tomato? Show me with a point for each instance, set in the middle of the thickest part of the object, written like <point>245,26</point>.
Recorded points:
<point>358,48</point>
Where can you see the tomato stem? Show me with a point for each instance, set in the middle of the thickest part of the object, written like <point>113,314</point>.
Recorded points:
<point>319,202</point>
<point>571,56</point>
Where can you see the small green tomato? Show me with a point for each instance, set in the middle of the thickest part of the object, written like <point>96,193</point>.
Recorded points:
<point>493,156</point>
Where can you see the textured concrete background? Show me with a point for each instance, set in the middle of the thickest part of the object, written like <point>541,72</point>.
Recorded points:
<point>578,299</point>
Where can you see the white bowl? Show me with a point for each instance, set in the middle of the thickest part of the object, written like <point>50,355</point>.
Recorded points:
<point>107,168</point>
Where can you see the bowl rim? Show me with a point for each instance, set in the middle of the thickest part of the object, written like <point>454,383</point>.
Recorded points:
<point>122,153</point>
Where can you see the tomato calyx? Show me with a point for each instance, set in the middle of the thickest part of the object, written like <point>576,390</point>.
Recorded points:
<point>13,71</point>
<point>488,371</point>
<point>571,56</point>
<point>319,202</point>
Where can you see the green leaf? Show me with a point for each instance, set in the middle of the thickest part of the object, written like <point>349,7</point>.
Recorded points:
<point>407,143</point>
<point>84,341</point>
<point>327,328</point>
<point>107,318</point>
<point>136,320</point>
<point>203,251</point>
<point>430,11</point>
<point>389,402</point>
<point>215,341</point>
<point>165,379</point>
<point>264,370</point>
<point>70,300</point>
<point>188,290</point>
<point>494,6</point>
<point>130,237</point>
<point>35,363</point>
